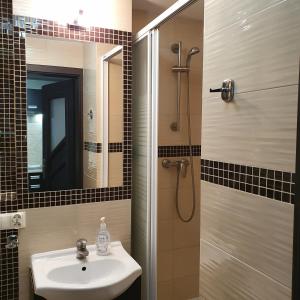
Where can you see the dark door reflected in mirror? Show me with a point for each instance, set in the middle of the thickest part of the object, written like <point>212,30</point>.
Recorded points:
<point>74,114</point>
<point>54,128</point>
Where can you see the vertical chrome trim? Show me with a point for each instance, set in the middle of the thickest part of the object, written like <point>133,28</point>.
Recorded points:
<point>154,156</point>
<point>104,127</point>
<point>296,243</point>
<point>149,160</point>
<point>104,71</point>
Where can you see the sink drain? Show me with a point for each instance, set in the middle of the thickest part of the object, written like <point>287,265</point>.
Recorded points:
<point>83,268</point>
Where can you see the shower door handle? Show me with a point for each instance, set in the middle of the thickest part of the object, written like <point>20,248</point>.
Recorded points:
<point>227,90</point>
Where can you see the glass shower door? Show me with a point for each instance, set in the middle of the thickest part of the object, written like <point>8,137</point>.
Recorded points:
<point>144,163</point>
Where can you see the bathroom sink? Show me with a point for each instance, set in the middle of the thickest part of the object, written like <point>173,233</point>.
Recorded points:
<point>59,275</point>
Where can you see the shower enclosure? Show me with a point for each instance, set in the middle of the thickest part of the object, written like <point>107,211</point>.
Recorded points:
<point>167,76</point>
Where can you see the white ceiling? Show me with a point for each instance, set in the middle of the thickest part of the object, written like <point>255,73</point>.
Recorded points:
<point>158,6</point>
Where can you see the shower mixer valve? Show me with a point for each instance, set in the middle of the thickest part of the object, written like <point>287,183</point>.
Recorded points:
<point>180,164</point>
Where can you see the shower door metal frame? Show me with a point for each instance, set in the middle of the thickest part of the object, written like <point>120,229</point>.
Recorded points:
<point>296,246</point>
<point>152,156</point>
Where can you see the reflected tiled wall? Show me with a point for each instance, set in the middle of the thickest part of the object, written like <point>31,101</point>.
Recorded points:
<point>246,218</point>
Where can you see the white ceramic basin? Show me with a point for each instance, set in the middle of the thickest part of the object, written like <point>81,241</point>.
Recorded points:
<point>59,275</point>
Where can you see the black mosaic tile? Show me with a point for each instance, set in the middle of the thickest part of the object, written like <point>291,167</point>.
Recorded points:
<point>179,150</point>
<point>93,147</point>
<point>273,184</point>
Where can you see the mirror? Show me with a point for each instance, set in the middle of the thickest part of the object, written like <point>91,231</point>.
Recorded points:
<point>74,114</point>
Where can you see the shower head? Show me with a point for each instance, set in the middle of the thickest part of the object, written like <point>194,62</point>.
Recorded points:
<point>193,51</point>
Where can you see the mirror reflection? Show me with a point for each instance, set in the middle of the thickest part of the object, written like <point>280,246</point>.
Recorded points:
<point>74,114</point>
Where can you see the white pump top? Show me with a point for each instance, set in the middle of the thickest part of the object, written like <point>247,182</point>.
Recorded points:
<point>102,224</point>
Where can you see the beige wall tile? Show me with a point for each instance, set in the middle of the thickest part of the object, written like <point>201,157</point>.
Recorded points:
<point>165,264</point>
<point>166,136</point>
<point>91,173</point>
<point>116,84</point>
<point>56,228</point>
<point>224,277</point>
<point>165,236</point>
<point>258,128</point>
<point>262,53</point>
<point>164,290</point>
<point>254,229</point>
<point>54,52</point>
<point>115,128</point>
<point>219,14</point>
<point>186,288</point>
<point>115,165</point>
<point>186,262</point>
<point>166,204</point>
<point>186,234</point>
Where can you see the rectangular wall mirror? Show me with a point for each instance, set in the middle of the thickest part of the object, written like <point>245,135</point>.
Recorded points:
<point>74,114</point>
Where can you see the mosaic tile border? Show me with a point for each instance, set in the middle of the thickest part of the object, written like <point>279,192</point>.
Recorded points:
<point>97,147</point>
<point>24,25</point>
<point>9,196</point>
<point>9,268</point>
<point>9,263</point>
<point>93,147</point>
<point>178,150</point>
<point>7,109</point>
<point>273,184</point>
<point>115,147</point>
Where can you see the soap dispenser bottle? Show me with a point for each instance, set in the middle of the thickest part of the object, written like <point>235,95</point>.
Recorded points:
<point>103,239</point>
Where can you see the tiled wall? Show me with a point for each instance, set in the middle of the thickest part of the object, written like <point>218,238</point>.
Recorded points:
<point>178,242</point>
<point>248,149</point>
<point>13,170</point>
<point>8,258</point>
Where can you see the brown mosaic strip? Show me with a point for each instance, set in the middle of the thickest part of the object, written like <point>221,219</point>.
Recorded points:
<point>9,281</point>
<point>25,25</point>
<point>53,29</point>
<point>115,147</point>
<point>93,147</point>
<point>79,196</point>
<point>9,277</point>
<point>97,147</point>
<point>7,196</point>
<point>178,150</point>
<point>273,184</point>
<point>7,108</point>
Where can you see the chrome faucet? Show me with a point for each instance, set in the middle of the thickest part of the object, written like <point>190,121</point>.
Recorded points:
<point>82,252</point>
<point>181,165</point>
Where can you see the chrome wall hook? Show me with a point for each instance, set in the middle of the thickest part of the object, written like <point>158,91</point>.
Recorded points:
<point>227,90</point>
